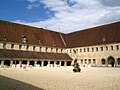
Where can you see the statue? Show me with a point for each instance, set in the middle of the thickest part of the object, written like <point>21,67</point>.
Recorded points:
<point>76,66</point>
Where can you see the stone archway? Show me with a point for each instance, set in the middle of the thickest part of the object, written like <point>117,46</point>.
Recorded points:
<point>62,63</point>
<point>103,61</point>
<point>39,62</point>
<point>118,61</point>
<point>45,63</point>
<point>111,61</point>
<point>15,62</point>
<point>7,62</point>
<point>32,63</point>
<point>68,63</point>
<point>24,62</point>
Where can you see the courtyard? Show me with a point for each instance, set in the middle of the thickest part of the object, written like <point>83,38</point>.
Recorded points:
<point>60,78</point>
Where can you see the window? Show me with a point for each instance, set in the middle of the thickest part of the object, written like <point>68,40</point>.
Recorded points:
<point>27,47</point>
<point>80,50</point>
<point>118,61</point>
<point>101,48</point>
<point>85,61</point>
<point>24,39</point>
<point>46,49</point>
<point>20,46</point>
<point>111,47</point>
<point>76,50</point>
<point>56,50</point>
<point>4,45</point>
<point>84,50</point>
<point>106,47</point>
<point>87,49</point>
<point>61,50</point>
<point>89,61</point>
<point>40,49</point>
<point>34,48</point>
<point>92,49</point>
<point>96,48</point>
<point>81,61</point>
<point>51,49</point>
<point>12,46</point>
<point>117,47</point>
<point>103,62</point>
<point>94,61</point>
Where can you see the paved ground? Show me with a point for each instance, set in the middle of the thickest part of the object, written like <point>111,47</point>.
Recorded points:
<point>54,78</point>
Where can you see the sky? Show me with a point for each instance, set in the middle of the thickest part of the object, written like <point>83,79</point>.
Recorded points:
<point>64,16</point>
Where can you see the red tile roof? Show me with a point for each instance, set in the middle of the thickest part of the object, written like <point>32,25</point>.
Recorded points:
<point>93,36</point>
<point>105,34</point>
<point>4,53</point>
<point>15,31</point>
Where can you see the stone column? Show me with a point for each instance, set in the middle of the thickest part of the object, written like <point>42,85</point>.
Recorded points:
<point>2,64</point>
<point>65,64</point>
<point>35,63</point>
<point>60,63</point>
<point>49,63</point>
<point>42,63</point>
<point>11,62</point>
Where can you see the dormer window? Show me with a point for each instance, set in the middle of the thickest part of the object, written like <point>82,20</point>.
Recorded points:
<point>24,39</point>
<point>4,38</point>
<point>54,44</point>
<point>40,42</point>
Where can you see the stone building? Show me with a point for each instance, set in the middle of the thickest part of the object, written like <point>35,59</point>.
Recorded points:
<point>26,45</point>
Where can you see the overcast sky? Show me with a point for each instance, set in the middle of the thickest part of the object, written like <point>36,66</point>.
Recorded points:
<point>61,15</point>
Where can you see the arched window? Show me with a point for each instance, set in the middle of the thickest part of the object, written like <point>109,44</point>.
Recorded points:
<point>103,61</point>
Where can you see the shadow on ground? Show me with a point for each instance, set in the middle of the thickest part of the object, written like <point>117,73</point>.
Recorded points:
<point>12,84</point>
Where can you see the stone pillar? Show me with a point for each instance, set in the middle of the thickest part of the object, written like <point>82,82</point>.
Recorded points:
<point>2,64</point>
<point>11,63</point>
<point>60,63</point>
<point>35,63</point>
<point>55,63</point>
<point>49,63</point>
<point>28,63</point>
<point>20,62</point>
<point>65,64</point>
<point>42,63</point>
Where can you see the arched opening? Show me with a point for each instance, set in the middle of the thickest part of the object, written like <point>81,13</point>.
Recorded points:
<point>7,62</point>
<point>0,62</point>
<point>39,62</point>
<point>68,63</point>
<point>111,61</point>
<point>118,61</point>
<point>103,61</point>
<point>62,63</point>
<point>15,62</point>
<point>57,62</point>
<point>32,63</point>
<point>24,62</point>
<point>51,63</point>
<point>45,63</point>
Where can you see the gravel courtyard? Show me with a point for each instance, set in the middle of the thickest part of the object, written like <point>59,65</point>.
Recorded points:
<point>55,78</point>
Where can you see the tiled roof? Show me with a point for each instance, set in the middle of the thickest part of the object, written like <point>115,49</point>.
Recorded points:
<point>4,53</point>
<point>105,34</point>
<point>15,31</point>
